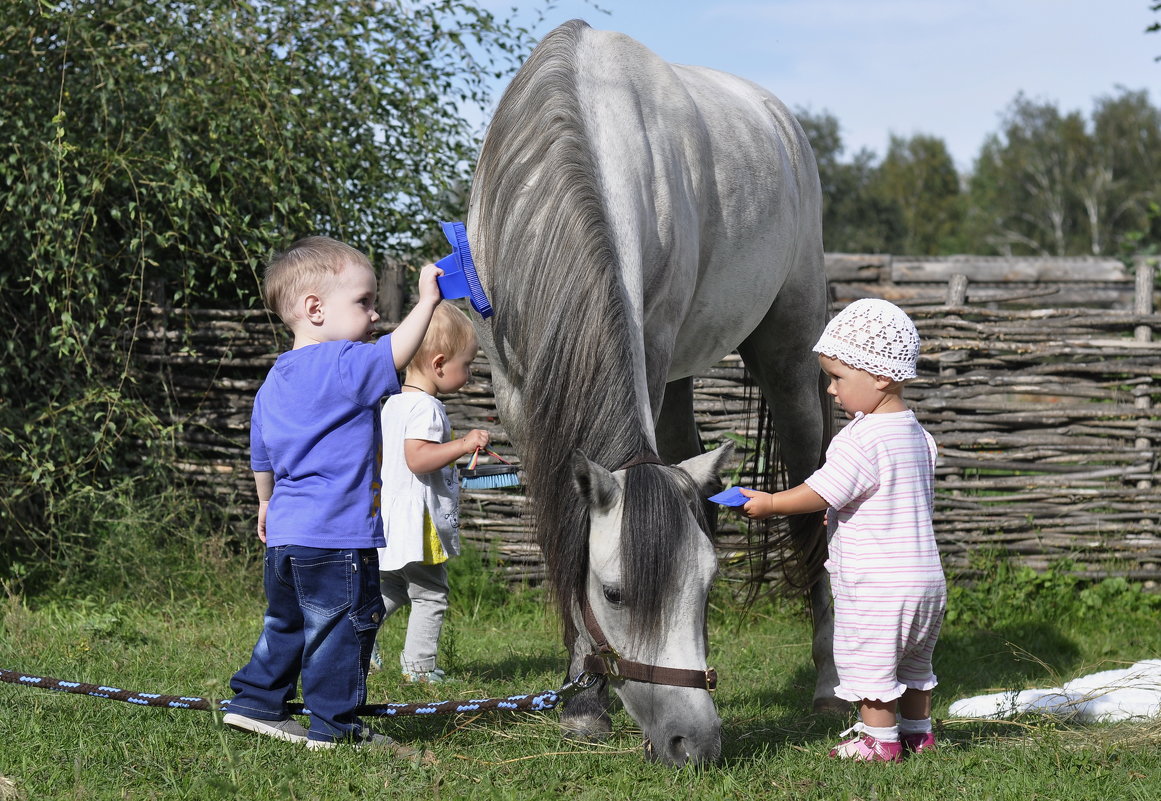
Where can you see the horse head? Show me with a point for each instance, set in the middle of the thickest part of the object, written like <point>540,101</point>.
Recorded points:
<point>641,617</point>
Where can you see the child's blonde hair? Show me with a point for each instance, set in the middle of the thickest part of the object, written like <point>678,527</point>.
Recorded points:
<point>308,265</point>
<point>449,333</point>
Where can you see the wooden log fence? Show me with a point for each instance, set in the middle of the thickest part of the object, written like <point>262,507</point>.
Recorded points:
<point>1046,418</point>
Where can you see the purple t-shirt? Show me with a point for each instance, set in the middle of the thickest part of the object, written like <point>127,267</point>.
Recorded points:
<point>316,426</point>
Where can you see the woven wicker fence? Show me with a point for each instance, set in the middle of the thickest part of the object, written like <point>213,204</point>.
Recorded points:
<point>1048,419</point>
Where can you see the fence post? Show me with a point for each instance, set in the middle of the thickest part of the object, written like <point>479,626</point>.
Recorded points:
<point>957,290</point>
<point>1143,305</point>
<point>956,297</point>
<point>158,324</point>
<point>391,291</point>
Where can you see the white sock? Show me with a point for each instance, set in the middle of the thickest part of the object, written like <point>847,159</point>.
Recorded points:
<point>914,726</point>
<point>884,734</point>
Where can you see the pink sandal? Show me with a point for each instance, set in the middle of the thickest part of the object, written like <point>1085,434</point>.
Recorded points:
<point>918,742</point>
<point>865,748</point>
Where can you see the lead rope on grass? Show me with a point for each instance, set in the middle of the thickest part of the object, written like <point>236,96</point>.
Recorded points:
<point>538,702</point>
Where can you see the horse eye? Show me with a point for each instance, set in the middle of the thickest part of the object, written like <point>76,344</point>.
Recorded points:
<point>612,595</point>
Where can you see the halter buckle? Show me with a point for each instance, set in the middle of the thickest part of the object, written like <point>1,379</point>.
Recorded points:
<point>583,681</point>
<point>612,664</point>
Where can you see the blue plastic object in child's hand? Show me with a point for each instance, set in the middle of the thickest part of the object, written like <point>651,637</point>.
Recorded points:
<point>731,497</point>
<point>459,279</point>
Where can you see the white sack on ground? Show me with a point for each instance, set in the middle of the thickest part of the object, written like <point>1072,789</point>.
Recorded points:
<point>1109,695</point>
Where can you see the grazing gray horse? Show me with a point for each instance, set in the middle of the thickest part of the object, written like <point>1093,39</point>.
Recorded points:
<point>633,222</point>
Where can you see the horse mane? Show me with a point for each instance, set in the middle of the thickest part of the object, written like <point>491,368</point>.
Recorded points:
<point>656,502</point>
<point>562,327</point>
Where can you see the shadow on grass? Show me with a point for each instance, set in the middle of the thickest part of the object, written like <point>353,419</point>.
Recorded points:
<point>518,670</point>
<point>775,716</point>
<point>1013,656</point>
<point>513,675</point>
<point>778,715</point>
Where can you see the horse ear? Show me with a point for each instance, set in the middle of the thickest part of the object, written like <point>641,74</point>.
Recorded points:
<point>706,468</point>
<point>595,484</point>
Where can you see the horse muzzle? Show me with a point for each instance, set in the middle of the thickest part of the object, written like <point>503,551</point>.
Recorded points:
<point>673,705</point>
<point>686,728</point>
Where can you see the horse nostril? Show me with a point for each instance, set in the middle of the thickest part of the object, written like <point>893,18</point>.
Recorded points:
<point>677,750</point>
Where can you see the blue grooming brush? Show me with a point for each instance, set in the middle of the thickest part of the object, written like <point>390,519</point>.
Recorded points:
<point>730,497</point>
<point>489,476</point>
<point>459,279</point>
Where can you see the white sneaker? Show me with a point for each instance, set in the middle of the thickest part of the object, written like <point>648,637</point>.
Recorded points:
<point>368,739</point>
<point>433,676</point>
<point>289,730</point>
<point>413,675</point>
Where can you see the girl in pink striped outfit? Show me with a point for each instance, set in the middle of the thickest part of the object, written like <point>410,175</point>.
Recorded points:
<point>878,487</point>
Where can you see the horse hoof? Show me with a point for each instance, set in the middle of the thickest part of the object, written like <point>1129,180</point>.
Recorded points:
<point>836,707</point>
<point>587,729</point>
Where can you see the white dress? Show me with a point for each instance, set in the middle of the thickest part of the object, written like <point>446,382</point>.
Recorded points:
<point>889,589</point>
<point>406,496</point>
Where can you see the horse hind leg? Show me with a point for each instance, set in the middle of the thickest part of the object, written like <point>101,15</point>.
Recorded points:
<point>822,649</point>
<point>779,357</point>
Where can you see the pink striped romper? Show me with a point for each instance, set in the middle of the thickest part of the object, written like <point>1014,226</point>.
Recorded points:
<point>889,590</point>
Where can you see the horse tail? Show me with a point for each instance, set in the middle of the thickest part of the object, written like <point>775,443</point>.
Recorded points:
<point>785,555</point>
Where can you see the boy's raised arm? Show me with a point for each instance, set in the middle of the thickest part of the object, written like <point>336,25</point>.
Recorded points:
<point>408,335</point>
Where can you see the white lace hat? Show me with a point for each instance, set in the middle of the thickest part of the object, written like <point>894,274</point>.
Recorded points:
<point>873,335</point>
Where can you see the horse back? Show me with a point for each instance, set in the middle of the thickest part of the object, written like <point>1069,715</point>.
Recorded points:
<point>711,192</point>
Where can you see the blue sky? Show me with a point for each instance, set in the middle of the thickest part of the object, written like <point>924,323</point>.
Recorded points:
<point>946,68</point>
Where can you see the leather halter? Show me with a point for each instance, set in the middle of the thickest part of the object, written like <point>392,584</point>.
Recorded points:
<point>644,457</point>
<point>607,662</point>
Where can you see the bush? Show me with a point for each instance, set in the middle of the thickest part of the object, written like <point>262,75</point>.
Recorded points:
<point>1007,594</point>
<point>157,152</point>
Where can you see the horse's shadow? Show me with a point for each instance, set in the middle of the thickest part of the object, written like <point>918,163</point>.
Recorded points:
<point>524,674</point>
<point>1014,656</point>
<point>967,663</point>
<point>784,718</point>
<point>519,669</point>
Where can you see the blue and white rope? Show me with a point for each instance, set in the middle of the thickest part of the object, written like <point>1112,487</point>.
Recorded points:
<point>536,702</point>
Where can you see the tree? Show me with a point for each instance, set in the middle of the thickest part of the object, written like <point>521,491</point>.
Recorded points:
<point>1156,26</point>
<point>1052,184</point>
<point>918,177</point>
<point>1023,180</point>
<point>171,144</point>
<point>854,219</point>
<point>1123,189</point>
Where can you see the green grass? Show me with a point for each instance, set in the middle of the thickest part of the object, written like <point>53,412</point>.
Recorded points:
<point>1010,632</point>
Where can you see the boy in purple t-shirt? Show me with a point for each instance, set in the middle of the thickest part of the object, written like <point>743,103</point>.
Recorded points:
<point>314,439</point>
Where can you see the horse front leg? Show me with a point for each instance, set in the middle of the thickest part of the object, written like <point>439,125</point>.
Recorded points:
<point>676,427</point>
<point>678,438</point>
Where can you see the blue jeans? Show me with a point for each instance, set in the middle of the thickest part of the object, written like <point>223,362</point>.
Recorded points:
<point>323,609</point>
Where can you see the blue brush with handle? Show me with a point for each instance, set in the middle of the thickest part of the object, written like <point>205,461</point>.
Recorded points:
<point>459,279</point>
<point>489,476</point>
